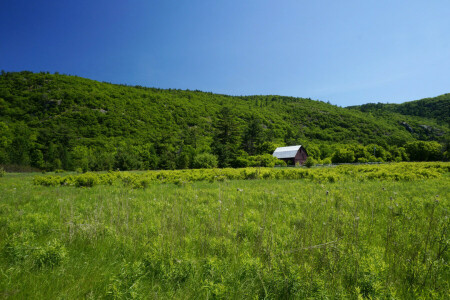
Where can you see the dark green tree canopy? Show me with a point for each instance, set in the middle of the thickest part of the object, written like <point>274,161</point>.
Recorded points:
<point>51,121</point>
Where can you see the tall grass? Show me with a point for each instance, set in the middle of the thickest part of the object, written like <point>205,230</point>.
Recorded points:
<point>275,239</point>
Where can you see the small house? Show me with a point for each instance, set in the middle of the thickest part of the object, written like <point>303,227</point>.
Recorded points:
<point>292,155</point>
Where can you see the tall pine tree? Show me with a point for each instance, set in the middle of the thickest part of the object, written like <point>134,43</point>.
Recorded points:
<point>226,141</point>
<point>253,137</point>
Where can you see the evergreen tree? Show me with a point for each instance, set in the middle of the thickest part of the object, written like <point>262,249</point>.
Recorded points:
<point>226,139</point>
<point>253,137</point>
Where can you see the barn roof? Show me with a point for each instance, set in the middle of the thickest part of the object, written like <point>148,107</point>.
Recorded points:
<point>286,152</point>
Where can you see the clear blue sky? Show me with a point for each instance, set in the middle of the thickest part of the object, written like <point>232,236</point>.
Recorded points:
<point>345,52</point>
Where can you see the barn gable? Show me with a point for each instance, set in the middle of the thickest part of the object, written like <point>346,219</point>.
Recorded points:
<point>295,154</point>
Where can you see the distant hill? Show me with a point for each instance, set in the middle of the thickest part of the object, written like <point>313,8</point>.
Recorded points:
<point>60,121</point>
<point>437,108</point>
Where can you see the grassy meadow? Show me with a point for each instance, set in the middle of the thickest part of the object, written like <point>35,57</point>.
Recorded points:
<point>346,232</point>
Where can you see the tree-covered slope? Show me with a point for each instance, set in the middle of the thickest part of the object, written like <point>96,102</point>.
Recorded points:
<point>437,108</point>
<point>60,121</point>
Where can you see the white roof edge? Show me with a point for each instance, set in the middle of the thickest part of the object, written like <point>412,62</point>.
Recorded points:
<point>288,148</point>
<point>286,152</point>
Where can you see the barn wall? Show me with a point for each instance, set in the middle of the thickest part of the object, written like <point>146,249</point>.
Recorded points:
<point>301,156</point>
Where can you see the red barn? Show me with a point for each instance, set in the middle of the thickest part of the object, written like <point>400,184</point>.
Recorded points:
<point>292,155</point>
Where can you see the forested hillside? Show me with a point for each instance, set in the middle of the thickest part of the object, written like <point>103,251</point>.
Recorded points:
<point>437,108</point>
<point>52,121</point>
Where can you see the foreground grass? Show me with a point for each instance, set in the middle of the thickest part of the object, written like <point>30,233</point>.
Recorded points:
<point>226,239</point>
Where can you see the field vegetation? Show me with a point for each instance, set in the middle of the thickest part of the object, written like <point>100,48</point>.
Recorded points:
<point>346,232</point>
<point>396,172</point>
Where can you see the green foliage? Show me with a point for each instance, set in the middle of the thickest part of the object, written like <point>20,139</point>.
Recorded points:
<point>253,137</point>
<point>397,172</point>
<point>51,255</point>
<point>126,159</point>
<point>343,232</point>
<point>327,161</point>
<point>241,162</point>
<point>424,151</point>
<point>264,160</point>
<point>280,163</point>
<point>53,121</point>
<point>126,284</point>
<point>2,172</point>
<point>22,249</point>
<point>226,140</point>
<point>85,180</point>
<point>343,156</point>
<point>309,162</point>
<point>433,108</point>
<point>205,161</point>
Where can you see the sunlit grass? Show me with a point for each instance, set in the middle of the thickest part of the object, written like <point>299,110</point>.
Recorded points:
<point>226,239</point>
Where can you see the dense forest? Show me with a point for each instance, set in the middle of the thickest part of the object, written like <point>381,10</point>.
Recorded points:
<point>437,108</point>
<point>53,121</point>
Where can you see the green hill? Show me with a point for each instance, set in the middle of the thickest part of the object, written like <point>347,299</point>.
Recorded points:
<point>437,108</point>
<point>52,121</point>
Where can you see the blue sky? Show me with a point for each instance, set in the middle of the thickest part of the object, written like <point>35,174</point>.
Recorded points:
<point>345,52</point>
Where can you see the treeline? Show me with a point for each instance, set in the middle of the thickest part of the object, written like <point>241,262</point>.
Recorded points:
<point>232,145</point>
<point>52,122</point>
<point>356,153</point>
<point>231,148</point>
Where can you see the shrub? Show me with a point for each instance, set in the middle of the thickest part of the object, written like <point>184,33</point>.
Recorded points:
<point>343,156</point>
<point>424,151</point>
<point>51,255</point>
<point>310,162</point>
<point>327,161</point>
<point>180,177</point>
<point>47,180</point>
<point>241,162</point>
<point>205,161</point>
<point>264,160</point>
<point>280,163</point>
<point>139,184</point>
<point>2,172</point>
<point>86,180</point>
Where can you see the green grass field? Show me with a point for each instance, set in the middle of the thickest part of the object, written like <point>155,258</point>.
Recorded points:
<point>189,236</point>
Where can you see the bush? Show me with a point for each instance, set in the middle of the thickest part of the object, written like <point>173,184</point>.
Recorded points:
<point>343,155</point>
<point>310,162</point>
<point>47,180</point>
<point>280,163</point>
<point>241,162</point>
<point>327,161</point>
<point>2,172</point>
<point>362,160</point>
<point>86,180</point>
<point>205,161</point>
<point>143,180</point>
<point>424,151</point>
